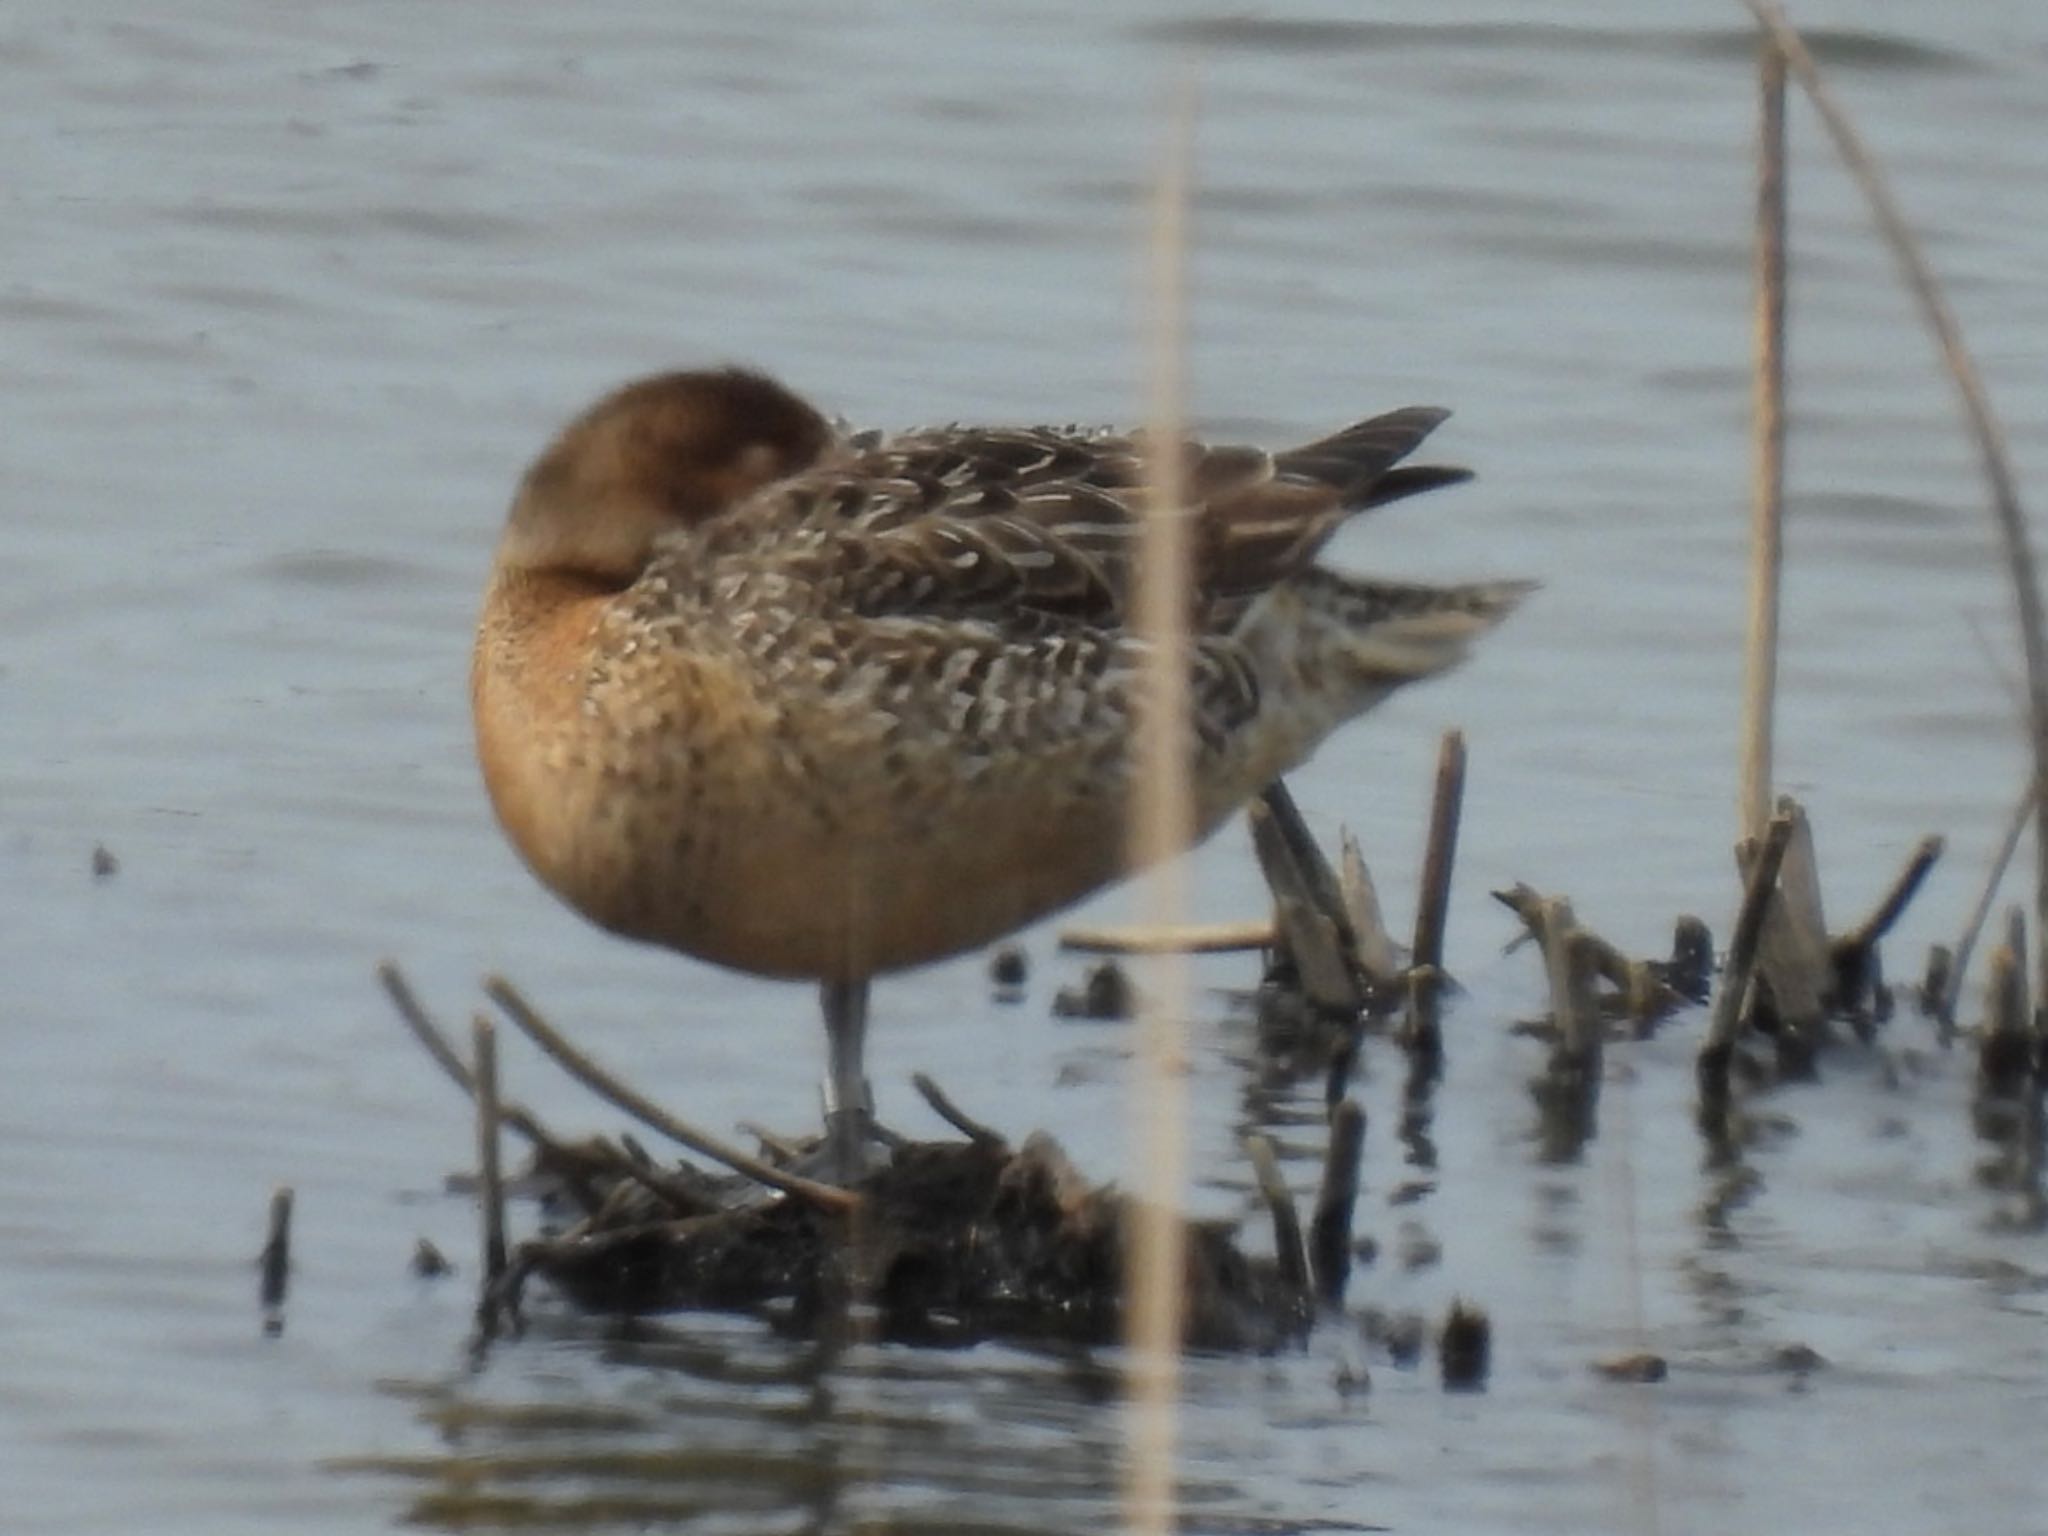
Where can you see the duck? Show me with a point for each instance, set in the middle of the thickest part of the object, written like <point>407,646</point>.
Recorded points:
<point>815,703</point>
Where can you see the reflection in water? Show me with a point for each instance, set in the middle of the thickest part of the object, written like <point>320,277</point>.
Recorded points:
<point>708,1426</point>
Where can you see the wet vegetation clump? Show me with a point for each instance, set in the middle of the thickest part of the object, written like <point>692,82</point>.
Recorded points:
<point>942,1242</point>
<point>952,1242</point>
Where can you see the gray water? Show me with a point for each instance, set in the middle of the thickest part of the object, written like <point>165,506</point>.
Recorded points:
<point>289,296</point>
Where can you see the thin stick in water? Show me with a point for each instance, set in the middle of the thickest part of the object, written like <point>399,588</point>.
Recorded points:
<point>490,1175</point>
<point>1185,939</point>
<point>1959,963</point>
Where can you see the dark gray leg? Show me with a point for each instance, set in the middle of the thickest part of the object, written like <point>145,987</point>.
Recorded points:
<point>849,1105</point>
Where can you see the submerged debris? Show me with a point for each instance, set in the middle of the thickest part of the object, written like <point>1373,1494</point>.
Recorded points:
<point>1638,1369</point>
<point>1008,969</point>
<point>1105,994</point>
<point>954,1241</point>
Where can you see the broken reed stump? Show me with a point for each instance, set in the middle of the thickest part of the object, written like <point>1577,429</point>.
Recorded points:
<point>1569,1090</point>
<point>1719,1050</point>
<point>1423,1028</point>
<point>1640,993</point>
<point>274,1264</point>
<point>2007,1051</point>
<point>1792,948</point>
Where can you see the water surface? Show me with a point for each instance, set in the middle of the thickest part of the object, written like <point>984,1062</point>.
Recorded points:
<point>290,298</point>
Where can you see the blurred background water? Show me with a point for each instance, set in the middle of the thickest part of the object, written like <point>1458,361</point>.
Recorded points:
<point>291,295</point>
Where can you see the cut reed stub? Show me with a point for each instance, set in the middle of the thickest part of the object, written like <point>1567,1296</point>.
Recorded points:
<point>274,1264</point>
<point>1423,1033</point>
<point>1465,1347</point>
<point>1760,861</point>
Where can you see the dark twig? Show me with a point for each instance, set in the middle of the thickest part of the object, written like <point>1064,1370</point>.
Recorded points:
<point>1904,889</point>
<point>490,1176</point>
<point>954,1115</point>
<point>652,1115</point>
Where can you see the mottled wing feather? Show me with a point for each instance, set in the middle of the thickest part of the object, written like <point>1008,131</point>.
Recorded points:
<point>1023,525</point>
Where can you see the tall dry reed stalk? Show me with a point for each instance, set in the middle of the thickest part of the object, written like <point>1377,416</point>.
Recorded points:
<point>1767,464</point>
<point>1982,420</point>
<point>1161,825</point>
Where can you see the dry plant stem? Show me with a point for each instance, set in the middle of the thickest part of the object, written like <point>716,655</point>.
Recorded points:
<point>1767,482</point>
<point>1749,925</point>
<point>1162,823</point>
<point>1433,909</point>
<point>1288,1247</point>
<point>652,1115</point>
<point>1183,939</point>
<point>490,1176</point>
<point>1983,422</point>
<point>429,1035</point>
<point>953,1115</point>
<point>275,1265</point>
<point>1959,964</point>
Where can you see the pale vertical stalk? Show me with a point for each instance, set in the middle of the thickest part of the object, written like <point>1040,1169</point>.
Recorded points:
<point>1161,825</point>
<point>1767,482</point>
<point>1983,422</point>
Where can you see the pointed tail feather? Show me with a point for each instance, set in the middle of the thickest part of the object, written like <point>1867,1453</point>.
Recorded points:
<point>1381,635</point>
